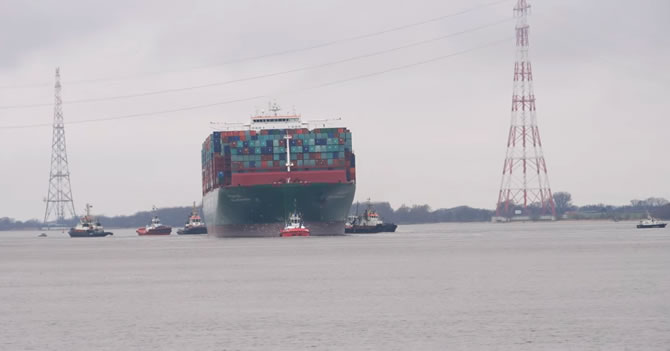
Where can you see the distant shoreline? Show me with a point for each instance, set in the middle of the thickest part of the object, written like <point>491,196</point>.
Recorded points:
<point>403,215</point>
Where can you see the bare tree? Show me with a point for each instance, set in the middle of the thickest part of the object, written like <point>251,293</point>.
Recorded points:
<point>563,202</point>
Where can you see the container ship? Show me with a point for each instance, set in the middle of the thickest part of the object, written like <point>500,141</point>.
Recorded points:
<point>255,177</point>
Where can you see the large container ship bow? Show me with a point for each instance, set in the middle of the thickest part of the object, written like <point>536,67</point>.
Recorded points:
<point>253,179</point>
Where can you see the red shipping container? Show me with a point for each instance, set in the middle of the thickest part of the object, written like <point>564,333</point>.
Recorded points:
<point>276,163</point>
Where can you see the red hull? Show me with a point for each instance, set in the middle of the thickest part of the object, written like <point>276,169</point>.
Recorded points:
<point>162,230</point>
<point>261,178</point>
<point>294,232</point>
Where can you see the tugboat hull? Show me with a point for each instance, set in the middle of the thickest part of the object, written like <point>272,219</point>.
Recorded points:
<point>87,234</point>
<point>192,230</point>
<point>647,226</point>
<point>362,229</point>
<point>155,231</point>
<point>294,232</point>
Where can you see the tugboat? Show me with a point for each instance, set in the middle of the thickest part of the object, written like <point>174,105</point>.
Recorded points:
<point>194,225</point>
<point>369,222</point>
<point>155,228</point>
<point>294,227</point>
<point>88,227</point>
<point>650,222</point>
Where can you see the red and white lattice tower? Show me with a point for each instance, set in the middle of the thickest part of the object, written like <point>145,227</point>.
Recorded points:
<point>524,189</point>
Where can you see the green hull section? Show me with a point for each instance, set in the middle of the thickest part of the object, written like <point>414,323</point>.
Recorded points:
<point>261,210</point>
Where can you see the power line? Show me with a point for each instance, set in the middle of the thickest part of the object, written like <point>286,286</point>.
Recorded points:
<point>420,63</point>
<point>195,107</point>
<point>294,70</point>
<point>273,54</point>
<point>136,115</point>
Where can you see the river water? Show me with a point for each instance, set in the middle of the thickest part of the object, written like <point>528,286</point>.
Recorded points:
<point>562,286</point>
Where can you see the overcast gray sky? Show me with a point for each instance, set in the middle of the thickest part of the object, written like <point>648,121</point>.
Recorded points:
<point>432,133</point>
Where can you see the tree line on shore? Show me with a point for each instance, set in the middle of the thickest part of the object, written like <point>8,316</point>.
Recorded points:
<point>177,216</point>
<point>423,213</point>
<point>638,209</point>
<point>656,207</point>
<point>172,216</point>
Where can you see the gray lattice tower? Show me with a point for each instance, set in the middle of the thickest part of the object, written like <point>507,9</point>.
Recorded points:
<point>59,201</point>
<point>525,183</point>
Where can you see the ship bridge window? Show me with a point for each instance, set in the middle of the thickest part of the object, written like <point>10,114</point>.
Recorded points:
<point>276,120</point>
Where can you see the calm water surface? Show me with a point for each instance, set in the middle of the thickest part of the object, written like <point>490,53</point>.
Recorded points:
<point>562,286</point>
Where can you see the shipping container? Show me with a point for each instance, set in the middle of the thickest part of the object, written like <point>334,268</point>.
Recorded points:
<point>229,152</point>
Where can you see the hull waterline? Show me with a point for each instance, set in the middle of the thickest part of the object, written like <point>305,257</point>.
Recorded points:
<point>192,231</point>
<point>88,234</point>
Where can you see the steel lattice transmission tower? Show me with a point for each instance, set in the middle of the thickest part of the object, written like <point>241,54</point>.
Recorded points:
<point>59,198</point>
<point>524,188</point>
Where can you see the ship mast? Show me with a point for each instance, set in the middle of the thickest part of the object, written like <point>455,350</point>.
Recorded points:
<point>288,152</point>
<point>273,107</point>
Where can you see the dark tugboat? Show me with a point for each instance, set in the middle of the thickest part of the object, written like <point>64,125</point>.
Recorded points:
<point>88,227</point>
<point>368,222</point>
<point>650,222</point>
<point>155,228</point>
<point>194,225</point>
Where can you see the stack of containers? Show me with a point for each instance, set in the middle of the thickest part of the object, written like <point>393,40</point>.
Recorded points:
<point>215,158</point>
<point>225,153</point>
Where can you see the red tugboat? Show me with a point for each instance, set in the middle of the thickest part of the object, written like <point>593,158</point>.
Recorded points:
<point>294,227</point>
<point>155,228</point>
